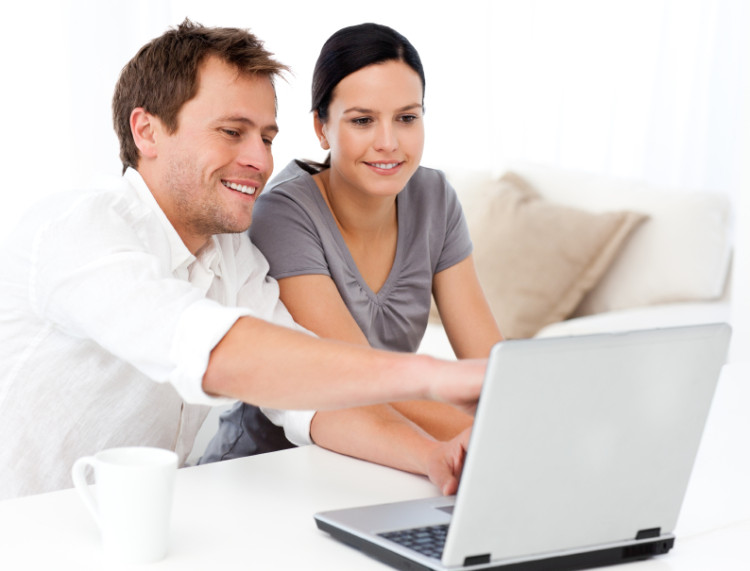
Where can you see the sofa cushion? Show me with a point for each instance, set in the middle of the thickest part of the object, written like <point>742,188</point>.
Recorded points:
<point>537,259</point>
<point>681,253</point>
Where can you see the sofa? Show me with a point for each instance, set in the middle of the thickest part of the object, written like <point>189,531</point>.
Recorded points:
<point>562,252</point>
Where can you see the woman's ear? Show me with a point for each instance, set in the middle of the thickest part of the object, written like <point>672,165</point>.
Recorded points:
<point>143,126</point>
<point>320,131</point>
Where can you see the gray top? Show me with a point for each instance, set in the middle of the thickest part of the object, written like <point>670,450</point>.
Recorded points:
<point>297,233</point>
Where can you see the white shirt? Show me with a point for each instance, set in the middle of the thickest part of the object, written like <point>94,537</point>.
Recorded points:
<point>106,325</point>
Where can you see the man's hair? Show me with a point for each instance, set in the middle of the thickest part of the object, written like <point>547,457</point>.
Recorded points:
<point>163,75</point>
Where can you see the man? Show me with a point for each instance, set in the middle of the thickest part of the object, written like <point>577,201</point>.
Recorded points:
<point>124,312</point>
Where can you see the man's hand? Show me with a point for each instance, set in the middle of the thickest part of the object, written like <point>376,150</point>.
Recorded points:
<point>446,462</point>
<point>460,384</point>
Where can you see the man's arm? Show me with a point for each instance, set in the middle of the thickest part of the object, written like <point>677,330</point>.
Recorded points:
<point>269,365</point>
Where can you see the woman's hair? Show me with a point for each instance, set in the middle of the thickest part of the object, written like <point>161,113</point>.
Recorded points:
<point>351,49</point>
<point>163,75</point>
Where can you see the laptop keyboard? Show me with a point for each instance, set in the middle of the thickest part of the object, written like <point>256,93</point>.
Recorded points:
<point>428,541</point>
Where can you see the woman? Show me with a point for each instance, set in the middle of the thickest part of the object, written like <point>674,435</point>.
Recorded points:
<point>359,244</point>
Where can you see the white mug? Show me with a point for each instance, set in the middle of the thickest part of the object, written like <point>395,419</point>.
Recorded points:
<point>133,504</point>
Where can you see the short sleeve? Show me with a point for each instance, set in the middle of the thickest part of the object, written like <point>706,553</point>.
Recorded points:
<point>283,229</point>
<point>457,243</point>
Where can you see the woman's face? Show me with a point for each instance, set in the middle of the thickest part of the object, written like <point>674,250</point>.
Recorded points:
<point>375,129</point>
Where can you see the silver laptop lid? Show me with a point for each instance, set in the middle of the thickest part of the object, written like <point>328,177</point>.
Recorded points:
<point>581,441</point>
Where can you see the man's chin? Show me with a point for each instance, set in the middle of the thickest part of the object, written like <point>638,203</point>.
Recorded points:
<point>239,226</point>
<point>236,229</point>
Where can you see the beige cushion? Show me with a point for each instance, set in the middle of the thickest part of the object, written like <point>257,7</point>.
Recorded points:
<point>537,259</point>
<point>681,253</point>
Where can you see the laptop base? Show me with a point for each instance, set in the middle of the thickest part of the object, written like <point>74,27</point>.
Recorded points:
<point>636,551</point>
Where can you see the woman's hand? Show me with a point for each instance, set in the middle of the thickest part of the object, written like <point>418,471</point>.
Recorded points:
<point>446,462</point>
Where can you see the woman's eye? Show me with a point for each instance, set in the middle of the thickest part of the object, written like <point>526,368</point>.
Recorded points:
<point>408,118</point>
<point>362,121</point>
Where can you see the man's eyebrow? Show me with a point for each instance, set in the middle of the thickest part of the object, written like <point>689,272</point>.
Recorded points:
<point>271,127</point>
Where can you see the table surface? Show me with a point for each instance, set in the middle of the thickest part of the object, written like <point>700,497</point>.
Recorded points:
<point>257,512</point>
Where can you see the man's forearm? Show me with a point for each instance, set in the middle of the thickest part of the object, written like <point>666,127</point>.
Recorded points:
<point>269,365</point>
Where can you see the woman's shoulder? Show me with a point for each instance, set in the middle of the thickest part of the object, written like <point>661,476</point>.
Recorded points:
<point>292,178</point>
<point>430,185</point>
<point>429,175</point>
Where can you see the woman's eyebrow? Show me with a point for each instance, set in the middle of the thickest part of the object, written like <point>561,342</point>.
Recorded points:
<point>364,110</point>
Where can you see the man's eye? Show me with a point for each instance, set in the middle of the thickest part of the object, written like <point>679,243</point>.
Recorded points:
<point>231,132</point>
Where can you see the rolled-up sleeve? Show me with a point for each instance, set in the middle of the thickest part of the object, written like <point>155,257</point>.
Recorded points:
<point>200,328</point>
<point>296,423</point>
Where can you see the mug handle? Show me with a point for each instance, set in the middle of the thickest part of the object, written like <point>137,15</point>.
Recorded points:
<point>79,480</point>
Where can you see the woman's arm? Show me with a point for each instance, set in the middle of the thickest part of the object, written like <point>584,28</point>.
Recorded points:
<point>329,317</point>
<point>315,303</point>
<point>382,435</point>
<point>377,433</point>
<point>464,311</point>
<point>472,332</point>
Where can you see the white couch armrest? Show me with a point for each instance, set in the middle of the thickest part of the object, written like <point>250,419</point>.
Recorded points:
<point>667,315</point>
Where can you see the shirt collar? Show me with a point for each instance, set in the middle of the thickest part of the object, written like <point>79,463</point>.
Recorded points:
<point>181,256</point>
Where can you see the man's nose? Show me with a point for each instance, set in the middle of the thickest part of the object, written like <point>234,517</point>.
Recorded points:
<point>256,153</point>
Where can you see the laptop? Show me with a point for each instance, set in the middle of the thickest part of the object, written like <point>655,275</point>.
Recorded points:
<point>580,456</point>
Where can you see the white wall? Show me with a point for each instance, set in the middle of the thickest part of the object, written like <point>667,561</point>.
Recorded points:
<point>651,89</point>
<point>625,87</point>
<point>740,350</point>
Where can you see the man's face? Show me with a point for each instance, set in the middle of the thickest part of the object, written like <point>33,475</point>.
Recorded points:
<point>213,167</point>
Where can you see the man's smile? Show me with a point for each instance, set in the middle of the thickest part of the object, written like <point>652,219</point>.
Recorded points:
<point>243,188</point>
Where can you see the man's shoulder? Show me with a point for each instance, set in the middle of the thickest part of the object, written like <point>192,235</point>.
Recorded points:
<point>88,215</point>
<point>102,205</point>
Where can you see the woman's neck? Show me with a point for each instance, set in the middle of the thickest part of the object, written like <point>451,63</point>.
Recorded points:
<point>358,216</point>
<point>369,227</point>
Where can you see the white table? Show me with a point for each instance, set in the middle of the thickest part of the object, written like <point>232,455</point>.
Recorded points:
<point>256,513</point>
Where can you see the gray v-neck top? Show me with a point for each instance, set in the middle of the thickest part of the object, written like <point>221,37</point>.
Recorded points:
<point>294,228</point>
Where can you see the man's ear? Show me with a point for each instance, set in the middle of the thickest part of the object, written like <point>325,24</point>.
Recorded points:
<point>320,131</point>
<point>144,127</point>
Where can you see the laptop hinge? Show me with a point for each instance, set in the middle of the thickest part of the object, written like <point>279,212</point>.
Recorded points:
<point>476,559</point>
<point>648,533</point>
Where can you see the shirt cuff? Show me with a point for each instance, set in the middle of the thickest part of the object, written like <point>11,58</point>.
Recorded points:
<point>200,328</point>
<point>296,423</point>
